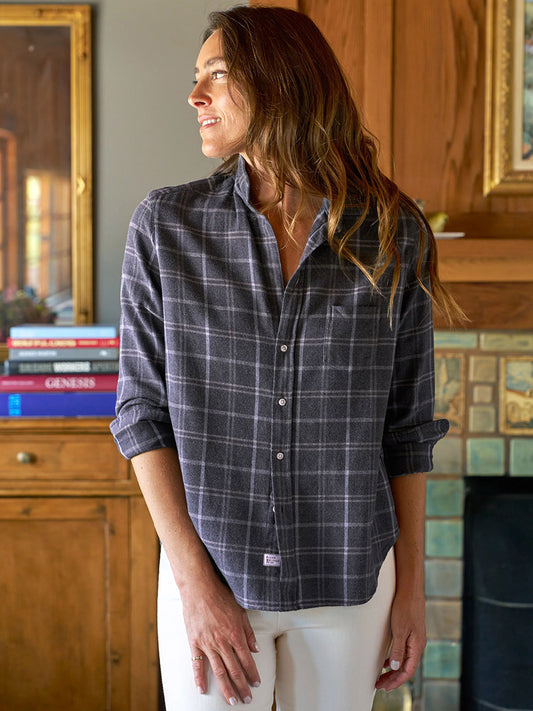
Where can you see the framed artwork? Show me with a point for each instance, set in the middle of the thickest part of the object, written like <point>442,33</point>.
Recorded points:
<point>45,165</point>
<point>508,167</point>
<point>516,395</point>
<point>450,390</point>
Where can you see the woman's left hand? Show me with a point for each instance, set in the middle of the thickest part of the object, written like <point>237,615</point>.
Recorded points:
<point>408,640</point>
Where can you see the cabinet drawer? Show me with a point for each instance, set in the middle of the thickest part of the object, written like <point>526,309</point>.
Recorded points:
<point>61,457</point>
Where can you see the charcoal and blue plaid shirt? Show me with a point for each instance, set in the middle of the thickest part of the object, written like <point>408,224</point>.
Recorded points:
<point>290,407</point>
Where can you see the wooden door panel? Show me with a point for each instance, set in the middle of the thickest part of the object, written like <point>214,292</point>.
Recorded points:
<point>64,587</point>
<point>438,111</point>
<point>361,35</point>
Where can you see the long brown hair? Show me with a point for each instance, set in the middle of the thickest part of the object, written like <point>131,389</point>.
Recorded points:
<point>305,131</point>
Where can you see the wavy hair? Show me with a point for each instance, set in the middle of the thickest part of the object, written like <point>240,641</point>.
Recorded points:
<point>305,131</point>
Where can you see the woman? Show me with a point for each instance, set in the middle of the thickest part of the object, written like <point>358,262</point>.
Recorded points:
<point>276,387</point>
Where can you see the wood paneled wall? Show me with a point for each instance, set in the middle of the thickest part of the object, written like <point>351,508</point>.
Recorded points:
<point>418,70</point>
<point>361,34</point>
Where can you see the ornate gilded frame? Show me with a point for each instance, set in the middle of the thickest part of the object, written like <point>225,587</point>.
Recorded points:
<point>504,170</point>
<point>78,19</point>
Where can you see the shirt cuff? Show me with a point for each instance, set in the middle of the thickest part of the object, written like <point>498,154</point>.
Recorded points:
<point>409,450</point>
<point>141,436</point>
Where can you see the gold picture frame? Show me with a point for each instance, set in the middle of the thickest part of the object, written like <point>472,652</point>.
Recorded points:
<point>509,88</point>
<point>42,28</point>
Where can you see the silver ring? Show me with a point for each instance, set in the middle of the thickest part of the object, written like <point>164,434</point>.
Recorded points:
<point>197,658</point>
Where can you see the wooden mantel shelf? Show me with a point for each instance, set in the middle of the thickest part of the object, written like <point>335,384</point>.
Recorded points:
<point>485,260</point>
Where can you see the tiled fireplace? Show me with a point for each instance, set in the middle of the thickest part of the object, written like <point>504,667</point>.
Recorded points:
<point>484,386</point>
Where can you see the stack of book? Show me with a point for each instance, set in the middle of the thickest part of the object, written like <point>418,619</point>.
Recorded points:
<point>60,371</point>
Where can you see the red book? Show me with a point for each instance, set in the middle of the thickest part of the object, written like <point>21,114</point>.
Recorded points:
<point>99,382</point>
<point>63,342</point>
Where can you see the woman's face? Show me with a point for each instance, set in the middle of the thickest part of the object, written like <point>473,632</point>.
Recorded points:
<point>223,116</point>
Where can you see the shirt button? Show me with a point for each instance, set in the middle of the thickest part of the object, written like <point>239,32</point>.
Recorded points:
<point>282,402</point>
<point>280,456</point>
<point>283,348</point>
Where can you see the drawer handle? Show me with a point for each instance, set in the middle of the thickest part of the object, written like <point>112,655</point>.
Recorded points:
<point>24,458</point>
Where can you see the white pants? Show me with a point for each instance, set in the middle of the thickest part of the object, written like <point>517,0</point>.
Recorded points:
<point>321,659</point>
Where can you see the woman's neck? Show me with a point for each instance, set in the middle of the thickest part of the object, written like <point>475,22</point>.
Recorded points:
<point>262,194</point>
<point>291,236</point>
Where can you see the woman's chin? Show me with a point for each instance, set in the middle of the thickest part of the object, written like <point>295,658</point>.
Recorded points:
<point>211,151</point>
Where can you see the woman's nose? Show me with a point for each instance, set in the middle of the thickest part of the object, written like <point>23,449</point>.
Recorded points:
<point>198,97</point>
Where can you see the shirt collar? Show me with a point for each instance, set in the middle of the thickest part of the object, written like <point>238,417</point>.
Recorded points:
<point>242,183</point>
<point>242,188</point>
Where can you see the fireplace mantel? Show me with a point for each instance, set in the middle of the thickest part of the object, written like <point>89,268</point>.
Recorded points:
<point>485,260</point>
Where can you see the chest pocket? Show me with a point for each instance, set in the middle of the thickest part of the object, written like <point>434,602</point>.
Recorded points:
<point>352,335</point>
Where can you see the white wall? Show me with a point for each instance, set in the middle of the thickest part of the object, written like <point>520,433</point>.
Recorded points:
<point>145,134</point>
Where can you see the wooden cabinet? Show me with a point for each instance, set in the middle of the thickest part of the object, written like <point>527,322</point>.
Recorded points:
<point>78,572</point>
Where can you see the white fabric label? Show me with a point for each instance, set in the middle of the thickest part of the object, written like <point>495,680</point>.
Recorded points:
<point>272,560</point>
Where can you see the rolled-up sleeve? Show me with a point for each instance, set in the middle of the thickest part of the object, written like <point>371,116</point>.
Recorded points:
<point>410,431</point>
<point>142,420</point>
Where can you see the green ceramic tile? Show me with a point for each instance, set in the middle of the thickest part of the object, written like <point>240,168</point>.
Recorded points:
<point>443,619</point>
<point>483,369</point>
<point>448,456</point>
<point>454,339</point>
<point>444,539</point>
<point>485,456</point>
<point>450,390</point>
<point>516,405</point>
<point>442,696</point>
<point>444,578</point>
<point>521,457</point>
<point>483,394</point>
<point>507,341</point>
<point>444,498</point>
<point>482,418</point>
<point>442,660</point>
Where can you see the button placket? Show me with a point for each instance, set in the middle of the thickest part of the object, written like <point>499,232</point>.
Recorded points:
<point>282,438</point>
<point>282,370</point>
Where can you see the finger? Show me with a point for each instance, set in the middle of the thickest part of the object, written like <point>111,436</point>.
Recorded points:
<point>397,652</point>
<point>222,679</point>
<point>248,665</point>
<point>250,635</point>
<point>199,670</point>
<point>245,658</point>
<point>236,670</point>
<point>413,653</point>
<point>392,680</point>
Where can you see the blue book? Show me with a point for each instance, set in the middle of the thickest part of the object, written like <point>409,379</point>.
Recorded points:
<point>48,330</point>
<point>55,404</point>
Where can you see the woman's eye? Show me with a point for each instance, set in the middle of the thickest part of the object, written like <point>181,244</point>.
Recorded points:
<point>218,74</point>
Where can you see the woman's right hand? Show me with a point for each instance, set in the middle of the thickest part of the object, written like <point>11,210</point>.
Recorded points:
<point>217,627</point>
<point>220,633</point>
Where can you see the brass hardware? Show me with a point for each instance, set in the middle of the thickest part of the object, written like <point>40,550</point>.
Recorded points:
<point>24,458</point>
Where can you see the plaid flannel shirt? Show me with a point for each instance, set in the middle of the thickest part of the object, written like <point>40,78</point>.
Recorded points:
<point>290,406</point>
